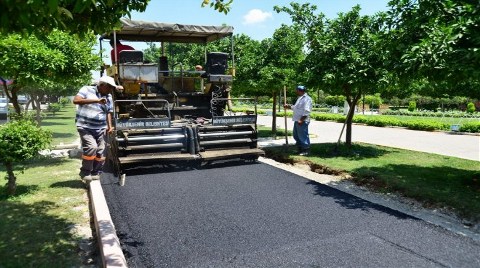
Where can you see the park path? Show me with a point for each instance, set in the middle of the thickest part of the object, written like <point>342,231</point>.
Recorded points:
<point>464,146</point>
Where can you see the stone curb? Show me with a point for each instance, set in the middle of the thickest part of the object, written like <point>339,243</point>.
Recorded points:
<point>109,244</point>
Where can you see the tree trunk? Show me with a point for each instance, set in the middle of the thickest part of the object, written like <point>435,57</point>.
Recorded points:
<point>274,115</point>
<point>14,99</point>
<point>349,119</point>
<point>38,108</point>
<point>12,180</point>
<point>352,102</point>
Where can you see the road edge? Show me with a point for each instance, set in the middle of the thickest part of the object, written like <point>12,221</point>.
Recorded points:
<point>108,242</point>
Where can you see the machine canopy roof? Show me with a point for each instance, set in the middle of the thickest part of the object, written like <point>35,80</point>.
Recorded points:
<point>134,30</point>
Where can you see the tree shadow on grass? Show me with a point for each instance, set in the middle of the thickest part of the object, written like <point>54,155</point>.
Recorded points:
<point>58,117</point>
<point>434,186</point>
<point>41,161</point>
<point>55,123</point>
<point>32,237</point>
<point>21,190</point>
<point>357,151</point>
<point>64,136</point>
<point>74,184</point>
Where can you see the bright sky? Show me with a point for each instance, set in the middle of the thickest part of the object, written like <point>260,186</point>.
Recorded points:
<point>255,18</point>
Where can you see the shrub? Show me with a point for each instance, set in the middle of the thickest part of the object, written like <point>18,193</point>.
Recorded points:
<point>412,106</point>
<point>337,100</point>
<point>64,101</point>
<point>472,127</point>
<point>470,108</point>
<point>53,108</point>
<point>20,140</point>
<point>427,125</point>
<point>373,100</point>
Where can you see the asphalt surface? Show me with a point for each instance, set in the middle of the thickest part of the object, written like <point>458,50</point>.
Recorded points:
<point>255,215</point>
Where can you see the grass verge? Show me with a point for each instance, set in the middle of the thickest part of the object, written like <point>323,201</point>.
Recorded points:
<point>266,132</point>
<point>41,225</point>
<point>62,125</point>
<point>434,180</point>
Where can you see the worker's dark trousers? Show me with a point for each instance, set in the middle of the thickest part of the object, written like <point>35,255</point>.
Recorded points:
<point>300,134</point>
<point>93,146</point>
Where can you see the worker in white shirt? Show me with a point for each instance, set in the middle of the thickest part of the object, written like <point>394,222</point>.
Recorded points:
<point>301,118</point>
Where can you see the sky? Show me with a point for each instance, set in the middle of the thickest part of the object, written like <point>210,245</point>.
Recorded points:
<point>255,18</point>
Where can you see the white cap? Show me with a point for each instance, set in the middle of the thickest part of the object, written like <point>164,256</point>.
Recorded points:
<point>107,80</point>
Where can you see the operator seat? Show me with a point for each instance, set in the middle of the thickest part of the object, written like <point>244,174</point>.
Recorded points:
<point>130,56</point>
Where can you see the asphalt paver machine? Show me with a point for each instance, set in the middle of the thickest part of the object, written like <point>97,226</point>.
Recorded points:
<point>165,115</point>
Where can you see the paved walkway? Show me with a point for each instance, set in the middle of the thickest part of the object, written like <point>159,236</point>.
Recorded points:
<point>444,143</point>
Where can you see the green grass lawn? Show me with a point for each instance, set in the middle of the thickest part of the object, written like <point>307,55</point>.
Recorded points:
<point>62,125</point>
<point>435,180</point>
<point>38,222</point>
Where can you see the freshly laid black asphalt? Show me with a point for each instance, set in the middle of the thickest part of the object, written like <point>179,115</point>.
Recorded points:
<point>255,215</point>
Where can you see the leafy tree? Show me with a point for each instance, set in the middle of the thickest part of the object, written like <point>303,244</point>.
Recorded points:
<point>373,100</point>
<point>54,108</point>
<point>76,16</point>
<point>249,56</point>
<point>436,40</point>
<point>344,54</point>
<point>39,65</point>
<point>283,56</point>
<point>335,100</point>
<point>20,140</point>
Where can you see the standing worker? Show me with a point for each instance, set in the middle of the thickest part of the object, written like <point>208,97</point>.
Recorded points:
<point>93,121</point>
<point>301,118</point>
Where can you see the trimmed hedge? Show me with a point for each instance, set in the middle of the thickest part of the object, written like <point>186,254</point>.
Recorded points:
<point>431,114</point>
<point>388,121</point>
<point>472,127</point>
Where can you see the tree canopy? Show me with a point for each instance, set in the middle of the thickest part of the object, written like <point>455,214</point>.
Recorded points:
<point>57,60</point>
<point>77,16</point>
<point>438,41</point>
<point>344,54</point>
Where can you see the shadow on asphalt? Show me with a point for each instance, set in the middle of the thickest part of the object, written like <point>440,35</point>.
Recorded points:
<point>169,168</point>
<point>349,201</point>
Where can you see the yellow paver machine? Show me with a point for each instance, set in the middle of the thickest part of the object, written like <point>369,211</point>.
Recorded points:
<point>170,114</point>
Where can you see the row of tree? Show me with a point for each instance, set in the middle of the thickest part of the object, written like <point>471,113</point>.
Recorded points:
<point>426,47</point>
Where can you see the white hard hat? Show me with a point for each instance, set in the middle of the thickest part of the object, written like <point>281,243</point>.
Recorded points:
<point>107,80</point>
